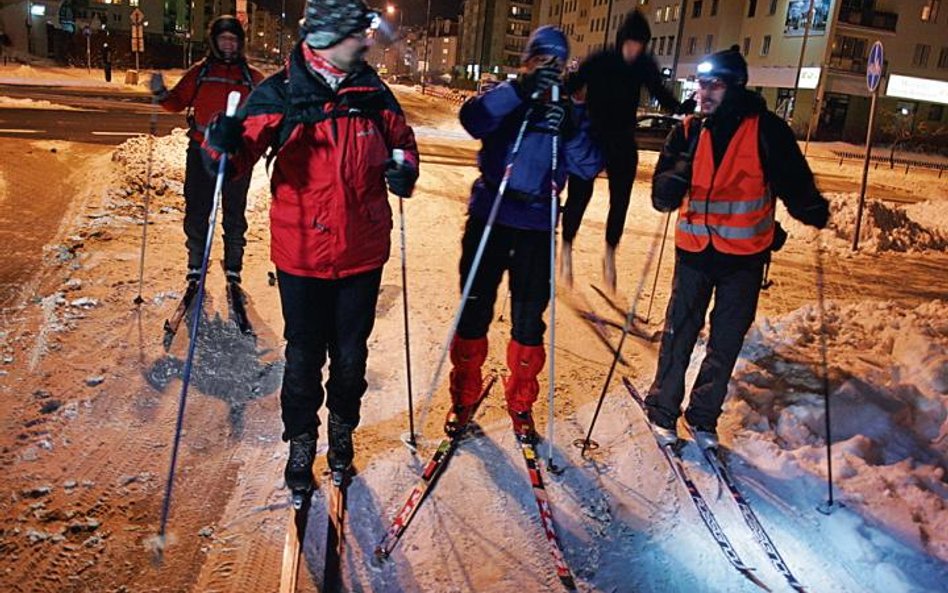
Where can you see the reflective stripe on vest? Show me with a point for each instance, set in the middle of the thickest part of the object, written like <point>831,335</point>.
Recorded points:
<point>730,206</point>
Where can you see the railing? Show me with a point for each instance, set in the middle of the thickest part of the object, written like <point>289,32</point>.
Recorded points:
<point>873,19</point>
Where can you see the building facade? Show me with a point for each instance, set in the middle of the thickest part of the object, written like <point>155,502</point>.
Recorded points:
<point>790,63</point>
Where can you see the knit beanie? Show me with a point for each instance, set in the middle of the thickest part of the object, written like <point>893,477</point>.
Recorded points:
<point>547,41</point>
<point>635,28</point>
<point>728,65</point>
<point>327,22</point>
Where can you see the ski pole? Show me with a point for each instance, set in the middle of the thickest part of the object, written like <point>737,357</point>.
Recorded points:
<point>827,507</point>
<point>658,267</point>
<point>398,155</point>
<point>475,264</point>
<point>554,204</point>
<point>233,99</point>
<point>152,130</point>
<point>585,443</point>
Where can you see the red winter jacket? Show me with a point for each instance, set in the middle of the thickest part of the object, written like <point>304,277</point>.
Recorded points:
<point>330,216</point>
<point>204,88</point>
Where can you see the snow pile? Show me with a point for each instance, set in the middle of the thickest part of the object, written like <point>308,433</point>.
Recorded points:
<point>13,103</point>
<point>884,227</point>
<point>167,156</point>
<point>888,369</point>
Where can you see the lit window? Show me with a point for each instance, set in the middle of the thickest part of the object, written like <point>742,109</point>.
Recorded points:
<point>930,11</point>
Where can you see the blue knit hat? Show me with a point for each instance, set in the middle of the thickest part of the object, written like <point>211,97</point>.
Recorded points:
<point>547,41</point>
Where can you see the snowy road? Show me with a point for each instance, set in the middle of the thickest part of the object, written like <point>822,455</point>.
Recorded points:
<point>88,401</point>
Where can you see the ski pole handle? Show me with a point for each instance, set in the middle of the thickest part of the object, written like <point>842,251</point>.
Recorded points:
<point>398,155</point>
<point>233,100</point>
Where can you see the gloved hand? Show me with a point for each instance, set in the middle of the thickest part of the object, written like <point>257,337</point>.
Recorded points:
<point>225,134</point>
<point>669,187</point>
<point>554,115</point>
<point>815,215</point>
<point>539,81</point>
<point>688,106</point>
<point>401,177</point>
<point>157,85</point>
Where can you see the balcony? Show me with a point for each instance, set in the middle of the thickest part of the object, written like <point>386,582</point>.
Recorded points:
<point>849,65</point>
<point>870,19</point>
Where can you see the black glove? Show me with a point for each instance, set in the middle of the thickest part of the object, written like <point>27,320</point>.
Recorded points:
<point>687,107</point>
<point>539,81</point>
<point>669,187</point>
<point>401,177</point>
<point>816,215</point>
<point>225,134</point>
<point>553,116</point>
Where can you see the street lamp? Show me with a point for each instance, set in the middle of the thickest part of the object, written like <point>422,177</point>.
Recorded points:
<point>390,10</point>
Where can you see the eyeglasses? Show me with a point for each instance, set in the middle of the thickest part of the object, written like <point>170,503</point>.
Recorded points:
<point>711,84</point>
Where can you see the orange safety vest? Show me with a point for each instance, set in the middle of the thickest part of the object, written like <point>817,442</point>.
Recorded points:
<point>731,206</point>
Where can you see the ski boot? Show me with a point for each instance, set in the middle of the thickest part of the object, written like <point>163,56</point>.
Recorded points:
<point>523,426</point>
<point>340,449</point>
<point>173,323</point>
<point>299,468</point>
<point>705,437</point>
<point>237,301</point>
<point>665,432</point>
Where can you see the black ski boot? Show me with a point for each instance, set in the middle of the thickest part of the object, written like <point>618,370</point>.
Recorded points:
<point>237,301</point>
<point>173,323</point>
<point>340,449</point>
<point>299,467</point>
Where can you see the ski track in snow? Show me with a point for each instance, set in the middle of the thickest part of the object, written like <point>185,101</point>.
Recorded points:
<point>624,522</point>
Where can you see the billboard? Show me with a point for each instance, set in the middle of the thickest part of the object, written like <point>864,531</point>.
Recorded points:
<point>797,10</point>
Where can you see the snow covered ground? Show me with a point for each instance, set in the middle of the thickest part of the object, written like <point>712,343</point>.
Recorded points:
<point>89,401</point>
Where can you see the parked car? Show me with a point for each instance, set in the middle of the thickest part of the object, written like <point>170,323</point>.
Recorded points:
<point>653,129</point>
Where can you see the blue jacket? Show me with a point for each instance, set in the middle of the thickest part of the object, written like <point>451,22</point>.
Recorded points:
<point>495,118</point>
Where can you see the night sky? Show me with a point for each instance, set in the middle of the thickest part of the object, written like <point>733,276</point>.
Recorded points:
<point>414,9</point>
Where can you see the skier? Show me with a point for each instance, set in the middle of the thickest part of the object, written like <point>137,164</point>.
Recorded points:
<point>611,81</point>
<point>202,93</point>
<point>331,126</point>
<point>743,156</point>
<point>519,242</point>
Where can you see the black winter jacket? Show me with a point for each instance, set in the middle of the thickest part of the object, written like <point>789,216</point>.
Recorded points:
<point>785,168</point>
<point>613,89</point>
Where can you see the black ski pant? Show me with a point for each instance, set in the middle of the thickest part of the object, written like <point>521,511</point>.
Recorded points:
<point>622,160</point>
<point>736,289</point>
<point>321,317</point>
<point>525,256</point>
<point>198,200</point>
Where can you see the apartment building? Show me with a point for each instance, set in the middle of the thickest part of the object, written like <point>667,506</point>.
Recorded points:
<point>494,34</point>
<point>771,34</point>
<point>30,24</point>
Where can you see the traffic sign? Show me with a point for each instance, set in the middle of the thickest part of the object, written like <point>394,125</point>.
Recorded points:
<point>874,66</point>
<point>137,17</point>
